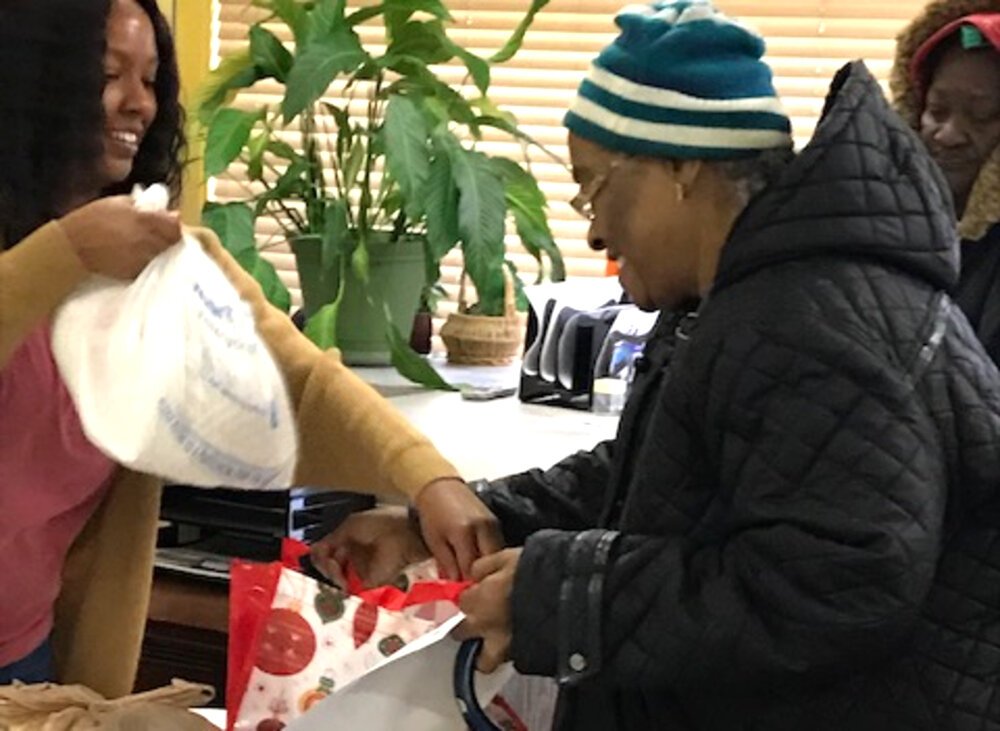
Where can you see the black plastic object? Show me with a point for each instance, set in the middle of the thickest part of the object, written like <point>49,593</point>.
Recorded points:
<point>558,366</point>
<point>465,687</point>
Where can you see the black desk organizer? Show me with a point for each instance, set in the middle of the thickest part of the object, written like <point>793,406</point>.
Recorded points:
<point>564,377</point>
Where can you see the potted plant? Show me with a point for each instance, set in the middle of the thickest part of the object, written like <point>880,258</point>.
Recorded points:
<point>392,165</point>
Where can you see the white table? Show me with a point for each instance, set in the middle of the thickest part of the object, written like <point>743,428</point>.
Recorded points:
<point>489,439</point>
<point>215,716</point>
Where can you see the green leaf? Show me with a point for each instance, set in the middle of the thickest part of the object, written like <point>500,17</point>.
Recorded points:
<point>337,238</point>
<point>440,100</point>
<point>508,123</point>
<point>414,73</point>
<point>282,150</point>
<point>520,298</point>
<point>227,134</point>
<point>366,72</point>
<point>269,54</point>
<point>478,67</point>
<point>343,121</point>
<point>420,40</point>
<point>321,328</point>
<point>513,44</point>
<point>355,159</point>
<point>234,72</point>
<point>489,108</point>
<point>267,276</point>
<point>290,183</point>
<point>339,114</point>
<point>317,66</point>
<point>527,202</point>
<point>490,289</point>
<point>519,181</point>
<point>432,275</point>
<point>294,179</point>
<point>360,263</point>
<point>255,149</point>
<point>392,203</point>
<point>293,13</point>
<point>442,209</point>
<point>360,16</point>
<point>409,363</point>
<point>458,107</point>
<point>409,7</point>
<point>482,209</point>
<point>327,15</point>
<point>493,116</point>
<point>406,151</point>
<point>537,238</point>
<point>233,224</point>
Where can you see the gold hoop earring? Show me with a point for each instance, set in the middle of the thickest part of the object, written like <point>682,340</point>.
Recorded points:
<point>680,192</point>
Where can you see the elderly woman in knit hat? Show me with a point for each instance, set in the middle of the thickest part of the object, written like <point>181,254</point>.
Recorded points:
<point>796,525</point>
<point>946,81</point>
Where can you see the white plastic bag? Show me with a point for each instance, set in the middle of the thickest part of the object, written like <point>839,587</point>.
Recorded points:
<point>169,375</point>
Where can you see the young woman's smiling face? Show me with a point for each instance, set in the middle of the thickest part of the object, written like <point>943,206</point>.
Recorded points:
<point>130,66</point>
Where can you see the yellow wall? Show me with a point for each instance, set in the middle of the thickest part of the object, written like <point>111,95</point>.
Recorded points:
<point>167,8</point>
<point>192,22</point>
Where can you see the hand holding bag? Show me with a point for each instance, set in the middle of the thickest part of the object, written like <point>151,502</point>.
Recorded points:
<point>307,655</point>
<point>170,377</point>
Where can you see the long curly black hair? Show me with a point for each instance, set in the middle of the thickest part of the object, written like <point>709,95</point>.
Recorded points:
<point>51,114</point>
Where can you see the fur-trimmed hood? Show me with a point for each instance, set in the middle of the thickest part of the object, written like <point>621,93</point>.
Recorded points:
<point>983,209</point>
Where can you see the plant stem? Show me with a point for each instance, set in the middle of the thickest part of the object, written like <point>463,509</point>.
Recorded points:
<point>364,222</point>
<point>294,216</point>
<point>314,212</point>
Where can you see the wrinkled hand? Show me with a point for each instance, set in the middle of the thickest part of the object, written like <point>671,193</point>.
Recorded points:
<point>486,605</point>
<point>112,238</point>
<point>457,527</point>
<point>379,543</point>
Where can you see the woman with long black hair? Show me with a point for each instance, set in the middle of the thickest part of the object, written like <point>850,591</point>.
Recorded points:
<point>88,108</point>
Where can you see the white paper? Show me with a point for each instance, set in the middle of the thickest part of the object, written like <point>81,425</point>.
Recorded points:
<point>411,690</point>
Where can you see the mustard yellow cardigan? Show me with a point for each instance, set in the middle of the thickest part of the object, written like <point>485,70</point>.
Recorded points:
<point>350,438</point>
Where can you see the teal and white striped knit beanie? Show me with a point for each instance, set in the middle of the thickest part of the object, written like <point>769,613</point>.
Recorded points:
<point>681,81</point>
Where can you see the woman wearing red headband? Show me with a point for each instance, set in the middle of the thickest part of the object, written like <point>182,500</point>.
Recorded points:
<point>946,81</point>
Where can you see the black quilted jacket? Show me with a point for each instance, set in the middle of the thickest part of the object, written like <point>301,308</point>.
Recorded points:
<point>978,292</point>
<point>798,524</point>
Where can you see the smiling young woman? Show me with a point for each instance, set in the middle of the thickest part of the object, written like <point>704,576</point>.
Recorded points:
<point>89,107</point>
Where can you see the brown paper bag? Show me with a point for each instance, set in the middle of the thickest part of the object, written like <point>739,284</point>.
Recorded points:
<point>50,707</point>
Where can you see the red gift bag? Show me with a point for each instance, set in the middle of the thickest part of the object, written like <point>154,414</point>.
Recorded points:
<point>252,587</point>
<point>289,635</point>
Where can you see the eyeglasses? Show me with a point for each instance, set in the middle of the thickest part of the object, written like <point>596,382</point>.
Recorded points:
<point>583,201</point>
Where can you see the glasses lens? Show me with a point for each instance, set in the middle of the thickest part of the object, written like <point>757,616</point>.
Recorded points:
<point>581,204</point>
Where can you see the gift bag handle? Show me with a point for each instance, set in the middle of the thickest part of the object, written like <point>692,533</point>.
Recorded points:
<point>465,687</point>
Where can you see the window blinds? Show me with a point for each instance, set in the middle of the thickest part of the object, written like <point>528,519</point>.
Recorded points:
<point>808,40</point>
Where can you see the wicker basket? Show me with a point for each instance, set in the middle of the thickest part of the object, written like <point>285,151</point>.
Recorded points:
<point>481,339</point>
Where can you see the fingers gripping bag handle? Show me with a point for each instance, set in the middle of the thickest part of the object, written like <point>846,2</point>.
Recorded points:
<point>464,674</point>
<point>169,375</point>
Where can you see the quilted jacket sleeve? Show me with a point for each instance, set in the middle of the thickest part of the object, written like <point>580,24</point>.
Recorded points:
<point>569,495</point>
<point>831,474</point>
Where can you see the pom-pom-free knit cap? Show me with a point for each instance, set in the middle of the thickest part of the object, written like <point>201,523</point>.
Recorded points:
<point>681,81</point>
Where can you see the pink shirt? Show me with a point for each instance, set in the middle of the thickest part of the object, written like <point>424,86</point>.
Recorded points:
<point>51,481</point>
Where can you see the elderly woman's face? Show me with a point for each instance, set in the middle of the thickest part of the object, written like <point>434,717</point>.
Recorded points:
<point>961,118</point>
<point>636,218</point>
<point>130,65</point>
